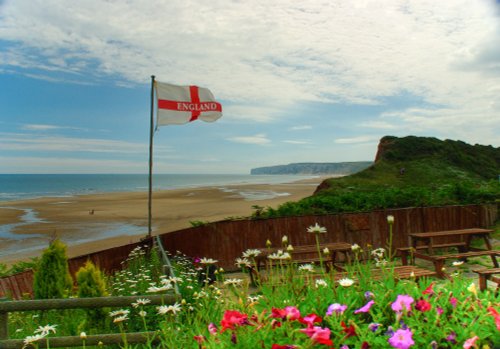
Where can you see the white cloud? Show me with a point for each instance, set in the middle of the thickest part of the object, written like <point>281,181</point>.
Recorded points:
<point>296,142</point>
<point>38,143</point>
<point>259,139</point>
<point>260,50</point>
<point>300,128</point>
<point>266,58</point>
<point>43,127</point>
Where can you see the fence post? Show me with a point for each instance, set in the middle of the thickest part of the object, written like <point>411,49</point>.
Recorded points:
<point>4,322</point>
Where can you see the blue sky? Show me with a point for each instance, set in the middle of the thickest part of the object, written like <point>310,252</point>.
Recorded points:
<point>306,81</point>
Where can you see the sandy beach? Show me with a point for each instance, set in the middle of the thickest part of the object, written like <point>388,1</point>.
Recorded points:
<point>90,223</point>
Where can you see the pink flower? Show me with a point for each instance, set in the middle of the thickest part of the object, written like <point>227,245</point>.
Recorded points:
<point>471,342</point>
<point>365,308</point>
<point>310,319</point>
<point>439,310</point>
<point>292,313</point>
<point>286,346</point>
<point>402,302</point>
<point>337,308</point>
<point>233,318</point>
<point>212,328</point>
<point>453,301</point>
<point>401,339</point>
<point>318,334</point>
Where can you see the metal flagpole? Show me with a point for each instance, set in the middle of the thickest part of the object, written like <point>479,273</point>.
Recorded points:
<point>151,131</point>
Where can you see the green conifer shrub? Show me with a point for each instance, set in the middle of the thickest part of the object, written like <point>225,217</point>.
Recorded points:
<point>52,278</point>
<point>92,283</point>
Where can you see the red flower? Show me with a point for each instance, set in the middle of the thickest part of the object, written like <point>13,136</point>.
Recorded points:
<point>199,338</point>
<point>275,323</point>
<point>278,313</point>
<point>423,306</point>
<point>286,346</point>
<point>318,334</point>
<point>429,289</point>
<point>289,313</point>
<point>365,345</point>
<point>349,331</point>
<point>310,319</point>
<point>495,315</point>
<point>233,318</point>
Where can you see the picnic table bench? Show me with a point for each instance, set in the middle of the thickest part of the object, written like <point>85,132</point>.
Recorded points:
<point>465,249</point>
<point>488,274</point>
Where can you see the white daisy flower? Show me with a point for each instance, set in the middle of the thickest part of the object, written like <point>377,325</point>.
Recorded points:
<point>306,268</point>
<point>320,283</point>
<point>234,282</point>
<point>141,301</point>
<point>316,229</point>
<point>346,282</point>
<point>208,261</point>
<point>251,253</point>
<point>45,330</point>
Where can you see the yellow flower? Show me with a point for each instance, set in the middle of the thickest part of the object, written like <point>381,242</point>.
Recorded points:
<point>472,289</point>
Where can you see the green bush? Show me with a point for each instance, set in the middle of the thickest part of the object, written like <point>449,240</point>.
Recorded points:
<point>92,283</point>
<point>52,278</point>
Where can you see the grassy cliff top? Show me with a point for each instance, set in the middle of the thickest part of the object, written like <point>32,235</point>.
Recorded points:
<point>422,162</point>
<point>407,172</point>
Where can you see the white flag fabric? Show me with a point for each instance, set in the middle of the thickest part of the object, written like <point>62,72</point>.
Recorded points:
<point>179,105</point>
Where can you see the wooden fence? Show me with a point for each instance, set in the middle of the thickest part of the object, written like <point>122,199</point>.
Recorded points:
<point>226,240</point>
<point>7,307</point>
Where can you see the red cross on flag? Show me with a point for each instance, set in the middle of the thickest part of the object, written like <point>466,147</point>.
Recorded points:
<point>182,104</point>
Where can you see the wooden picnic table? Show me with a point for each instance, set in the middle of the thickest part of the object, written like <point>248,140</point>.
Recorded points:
<point>463,234</point>
<point>463,239</point>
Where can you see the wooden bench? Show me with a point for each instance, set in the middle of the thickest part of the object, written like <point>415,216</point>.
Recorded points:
<point>488,274</point>
<point>404,252</point>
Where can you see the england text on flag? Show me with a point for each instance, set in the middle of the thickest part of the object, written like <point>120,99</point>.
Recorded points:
<point>182,104</point>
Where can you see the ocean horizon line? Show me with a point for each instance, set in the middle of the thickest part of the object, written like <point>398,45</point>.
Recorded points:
<point>15,187</point>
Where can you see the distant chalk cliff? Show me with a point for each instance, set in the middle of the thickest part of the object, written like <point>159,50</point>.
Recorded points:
<point>314,168</point>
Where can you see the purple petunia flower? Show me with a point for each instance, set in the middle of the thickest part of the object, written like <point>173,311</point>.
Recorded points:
<point>402,302</point>
<point>452,338</point>
<point>365,308</point>
<point>336,308</point>
<point>390,331</point>
<point>402,339</point>
<point>373,326</point>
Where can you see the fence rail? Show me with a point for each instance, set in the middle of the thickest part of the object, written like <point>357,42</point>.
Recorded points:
<point>7,307</point>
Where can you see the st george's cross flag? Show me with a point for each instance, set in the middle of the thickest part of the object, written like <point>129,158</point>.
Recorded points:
<point>178,105</point>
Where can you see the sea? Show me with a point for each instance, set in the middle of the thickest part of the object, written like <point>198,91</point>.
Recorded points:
<point>13,240</point>
<point>30,186</point>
